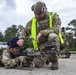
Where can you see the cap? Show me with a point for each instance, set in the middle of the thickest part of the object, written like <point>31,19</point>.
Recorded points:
<point>13,42</point>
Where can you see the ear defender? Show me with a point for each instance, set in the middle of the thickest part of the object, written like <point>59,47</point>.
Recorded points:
<point>32,8</point>
<point>44,8</point>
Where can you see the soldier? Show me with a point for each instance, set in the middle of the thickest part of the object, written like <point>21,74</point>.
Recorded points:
<point>44,30</point>
<point>9,56</point>
<point>1,51</point>
<point>66,43</point>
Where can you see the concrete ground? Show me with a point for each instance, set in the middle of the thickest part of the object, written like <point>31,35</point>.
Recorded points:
<point>66,67</point>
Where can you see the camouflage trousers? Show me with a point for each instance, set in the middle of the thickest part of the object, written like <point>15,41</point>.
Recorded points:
<point>1,64</point>
<point>52,39</point>
<point>21,61</point>
<point>66,45</point>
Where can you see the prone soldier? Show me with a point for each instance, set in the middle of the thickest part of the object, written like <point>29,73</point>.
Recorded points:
<point>10,56</point>
<point>1,51</point>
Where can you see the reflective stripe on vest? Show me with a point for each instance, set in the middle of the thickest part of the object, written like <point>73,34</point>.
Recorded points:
<point>61,39</point>
<point>33,30</point>
<point>50,18</point>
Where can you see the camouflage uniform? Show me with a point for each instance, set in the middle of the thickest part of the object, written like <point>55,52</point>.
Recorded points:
<point>1,51</point>
<point>66,43</point>
<point>49,35</point>
<point>10,61</point>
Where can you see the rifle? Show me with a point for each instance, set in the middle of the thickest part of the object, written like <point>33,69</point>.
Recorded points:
<point>37,53</point>
<point>33,53</point>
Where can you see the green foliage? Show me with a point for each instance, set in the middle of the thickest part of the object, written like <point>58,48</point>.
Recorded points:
<point>72,29</point>
<point>1,36</point>
<point>10,32</point>
<point>72,23</point>
<point>28,42</point>
<point>13,31</point>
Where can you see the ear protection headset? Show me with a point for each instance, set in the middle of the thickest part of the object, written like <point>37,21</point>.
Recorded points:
<point>43,9</point>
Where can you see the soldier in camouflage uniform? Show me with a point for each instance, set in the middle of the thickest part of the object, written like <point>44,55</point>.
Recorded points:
<point>9,57</point>
<point>66,43</point>
<point>1,51</point>
<point>45,34</point>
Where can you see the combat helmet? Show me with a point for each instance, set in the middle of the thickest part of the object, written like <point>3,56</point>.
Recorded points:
<point>39,8</point>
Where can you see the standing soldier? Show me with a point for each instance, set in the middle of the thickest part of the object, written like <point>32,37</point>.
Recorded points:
<point>44,30</point>
<point>66,43</point>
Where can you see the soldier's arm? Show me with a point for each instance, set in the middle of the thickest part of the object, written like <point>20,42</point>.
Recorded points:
<point>6,59</point>
<point>56,23</point>
<point>56,26</point>
<point>26,30</point>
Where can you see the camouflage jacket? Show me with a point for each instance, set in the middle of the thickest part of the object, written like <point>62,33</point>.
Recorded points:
<point>7,60</point>
<point>43,27</point>
<point>1,51</point>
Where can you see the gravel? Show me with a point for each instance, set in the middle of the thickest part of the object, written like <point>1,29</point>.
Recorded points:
<point>66,67</point>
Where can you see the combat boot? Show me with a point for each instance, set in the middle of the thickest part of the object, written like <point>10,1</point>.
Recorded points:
<point>67,54</point>
<point>48,60</point>
<point>54,65</point>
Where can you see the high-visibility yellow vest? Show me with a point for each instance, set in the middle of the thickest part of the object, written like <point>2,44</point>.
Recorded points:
<point>33,30</point>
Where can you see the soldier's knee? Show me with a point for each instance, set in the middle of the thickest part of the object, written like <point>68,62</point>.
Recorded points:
<point>52,36</point>
<point>39,64</point>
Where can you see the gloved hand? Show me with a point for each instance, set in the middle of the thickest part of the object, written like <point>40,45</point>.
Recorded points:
<point>62,46</point>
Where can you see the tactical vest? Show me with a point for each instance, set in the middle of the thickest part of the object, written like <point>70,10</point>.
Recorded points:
<point>33,30</point>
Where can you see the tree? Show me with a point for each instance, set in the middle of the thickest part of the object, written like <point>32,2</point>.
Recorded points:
<point>10,32</point>
<point>20,27</point>
<point>1,36</point>
<point>73,26</point>
<point>72,32</point>
<point>14,31</point>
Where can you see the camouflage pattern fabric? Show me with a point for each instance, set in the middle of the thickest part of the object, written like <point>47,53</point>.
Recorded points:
<point>1,51</point>
<point>66,43</point>
<point>66,46</point>
<point>10,62</point>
